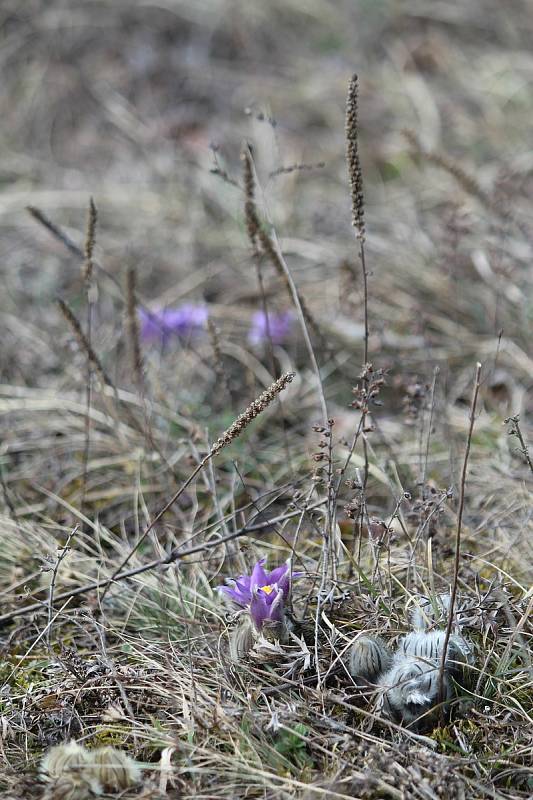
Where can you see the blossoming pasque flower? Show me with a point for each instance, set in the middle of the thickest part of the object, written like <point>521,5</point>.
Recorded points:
<point>263,594</point>
<point>182,321</point>
<point>275,326</point>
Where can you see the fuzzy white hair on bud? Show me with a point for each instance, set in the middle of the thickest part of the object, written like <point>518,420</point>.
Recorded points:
<point>241,639</point>
<point>413,687</point>
<point>115,769</point>
<point>368,657</point>
<point>69,757</point>
<point>68,769</point>
<point>74,773</point>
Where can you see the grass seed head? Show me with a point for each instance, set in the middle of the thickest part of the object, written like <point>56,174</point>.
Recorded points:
<point>352,157</point>
<point>254,409</point>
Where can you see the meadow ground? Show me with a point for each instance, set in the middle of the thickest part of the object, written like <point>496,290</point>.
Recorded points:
<point>168,114</point>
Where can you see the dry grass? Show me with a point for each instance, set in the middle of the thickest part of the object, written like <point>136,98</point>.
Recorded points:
<point>145,108</point>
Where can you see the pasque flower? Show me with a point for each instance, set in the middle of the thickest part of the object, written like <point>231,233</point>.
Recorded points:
<point>161,324</point>
<point>262,593</point>
<point>277,327</point>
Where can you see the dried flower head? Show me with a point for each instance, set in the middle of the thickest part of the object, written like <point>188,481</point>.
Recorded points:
<point>250,211</point>
<point>162,324</point>
<point>90,240</point>
<point>265,326</point>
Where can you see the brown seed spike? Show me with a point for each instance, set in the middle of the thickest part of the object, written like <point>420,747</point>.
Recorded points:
<point>133,325</point>
<point>353,161</point>
<point>90,241</point>
<point>83,342</point>
<point>254,409</point>
<point>250,211</point>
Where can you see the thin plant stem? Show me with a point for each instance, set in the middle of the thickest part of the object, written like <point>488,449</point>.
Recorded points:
<point>60,556</point>
<point>88,275</point>
<point>459,528</point>
<point>516,431</point>
<point>428,438</point>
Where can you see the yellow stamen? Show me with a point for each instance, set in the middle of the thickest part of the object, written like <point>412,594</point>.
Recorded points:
<point>267,589</point>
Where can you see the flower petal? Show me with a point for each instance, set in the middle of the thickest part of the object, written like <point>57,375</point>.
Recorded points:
<point>277,574</point>
<point>276,609</point>
<point>259,610</point>
<point>234,595</point>
<point>258,577</point>
<point>243,585</point>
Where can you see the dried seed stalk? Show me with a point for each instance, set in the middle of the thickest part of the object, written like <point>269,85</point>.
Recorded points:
<point>90,242</point>
<point>84,343</point>
<point>133,327</point>
<point>353,161</point>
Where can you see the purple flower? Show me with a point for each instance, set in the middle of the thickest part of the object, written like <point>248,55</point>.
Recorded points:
<point>161,324</point>
<point>262,593</point>
<point>279,327</point>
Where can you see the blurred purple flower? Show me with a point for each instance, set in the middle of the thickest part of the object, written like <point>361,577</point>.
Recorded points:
<point>262,593</point>
<point>279,326</point>
<point>162,324</point>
